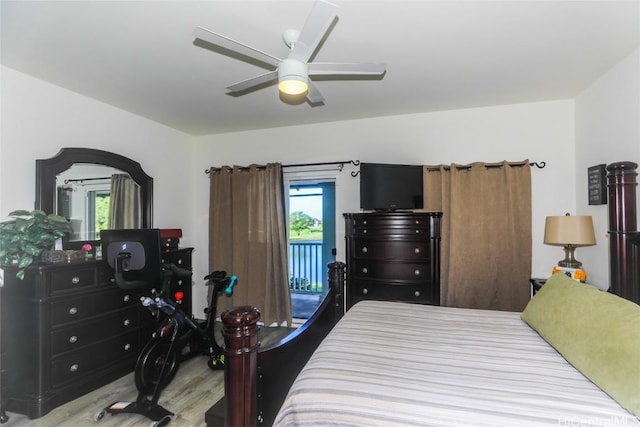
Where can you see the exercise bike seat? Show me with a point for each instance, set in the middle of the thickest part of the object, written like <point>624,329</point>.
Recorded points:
<point>216,276</point>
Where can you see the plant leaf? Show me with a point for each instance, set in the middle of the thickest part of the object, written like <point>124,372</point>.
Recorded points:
<point>25,261</point>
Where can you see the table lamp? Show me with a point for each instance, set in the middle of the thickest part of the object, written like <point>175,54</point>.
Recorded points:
<point>570,232</point>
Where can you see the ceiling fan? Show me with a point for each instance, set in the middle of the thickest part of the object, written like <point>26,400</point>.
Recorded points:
<point>293,72</point>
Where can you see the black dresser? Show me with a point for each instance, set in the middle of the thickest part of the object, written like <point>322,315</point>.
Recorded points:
<point>67,329</point>
<point>393,256</point>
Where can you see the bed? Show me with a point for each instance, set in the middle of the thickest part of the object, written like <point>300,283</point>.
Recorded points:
<point>387,363</point>
<point>398,364</point>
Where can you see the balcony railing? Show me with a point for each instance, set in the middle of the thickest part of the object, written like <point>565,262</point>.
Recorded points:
<point>305,267</point>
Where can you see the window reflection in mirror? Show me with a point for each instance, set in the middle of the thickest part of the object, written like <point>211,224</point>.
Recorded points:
<point>83,194</point>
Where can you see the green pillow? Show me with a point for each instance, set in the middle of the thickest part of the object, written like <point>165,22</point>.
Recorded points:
<point>597,332</point>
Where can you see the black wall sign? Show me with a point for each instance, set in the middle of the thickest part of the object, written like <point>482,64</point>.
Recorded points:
<point>597,182</point>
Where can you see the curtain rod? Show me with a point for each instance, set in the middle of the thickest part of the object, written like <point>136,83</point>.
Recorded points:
<point>66,181</point>
<point>539,165</point>
<point>340,163</point>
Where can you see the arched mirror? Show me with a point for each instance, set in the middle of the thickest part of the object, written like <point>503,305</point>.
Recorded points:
<point>78,183</point>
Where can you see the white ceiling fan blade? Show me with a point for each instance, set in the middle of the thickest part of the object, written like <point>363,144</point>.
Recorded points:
<point>313,94</point>
<point>318,22</point>
<point>345,69</point>
<point>253,81</point>
<point>236,46</point>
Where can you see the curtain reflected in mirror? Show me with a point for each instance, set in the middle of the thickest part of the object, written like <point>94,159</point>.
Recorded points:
<point>125,207</point>
<point>94,198</point>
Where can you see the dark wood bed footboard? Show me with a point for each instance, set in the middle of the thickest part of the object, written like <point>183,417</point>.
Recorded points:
<point>257,379</point>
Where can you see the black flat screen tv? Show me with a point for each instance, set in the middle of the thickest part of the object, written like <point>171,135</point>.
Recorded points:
<point>389,187</point>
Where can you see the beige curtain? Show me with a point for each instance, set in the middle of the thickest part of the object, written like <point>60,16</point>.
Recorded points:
<point>247,237</point>
<point>486,233</point>
<point>125,203</point>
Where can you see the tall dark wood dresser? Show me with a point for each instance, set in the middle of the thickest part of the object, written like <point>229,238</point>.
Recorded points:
<point>181,257</point>
<point>67,329</point>
<point>393,256</point>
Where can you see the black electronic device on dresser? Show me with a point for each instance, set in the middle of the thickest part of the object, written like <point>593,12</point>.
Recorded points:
<point>393,256</point>
<point>67,329</point>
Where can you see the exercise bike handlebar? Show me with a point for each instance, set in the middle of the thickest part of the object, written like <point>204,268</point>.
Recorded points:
<point>178,271</point>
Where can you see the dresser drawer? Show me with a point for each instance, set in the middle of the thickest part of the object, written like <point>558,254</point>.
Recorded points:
<point>94,330</point>
<point>391,249</point>
<point>391,220</point>
<point>371,269</point>
<point>75,365</point>
<point>81,307</point>
<point>393,291</point>
<point>414,229</point>
<point>76,278</point>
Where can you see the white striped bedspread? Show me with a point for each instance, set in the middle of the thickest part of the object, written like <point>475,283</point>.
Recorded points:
<point>396,364</point>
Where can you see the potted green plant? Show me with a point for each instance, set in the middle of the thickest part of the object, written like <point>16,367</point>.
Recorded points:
<point>26,235</point>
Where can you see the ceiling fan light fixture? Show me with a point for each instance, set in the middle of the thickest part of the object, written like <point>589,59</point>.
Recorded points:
<point>293,77</point>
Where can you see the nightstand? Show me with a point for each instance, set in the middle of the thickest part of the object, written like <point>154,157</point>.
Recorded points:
<point>536,284</point>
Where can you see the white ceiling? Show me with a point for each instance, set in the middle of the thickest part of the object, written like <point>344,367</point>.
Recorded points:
<point>140,56</point>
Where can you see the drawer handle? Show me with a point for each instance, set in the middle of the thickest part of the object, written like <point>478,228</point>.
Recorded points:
<point>416,272</point>
<point>73,310</point>
<point>179,261</point>
<point>364,231</point>
<point>365,250</point>
<point>417,293</point>
<point>74,367</point>
<point>416,251</point>
<point>364,222</point>
<point>365,270</point>
<point>126,298</point>
<point>365,291</point>
<point>75,280</point>
<point>417,231</point>
<point>179,282</point>
<point>73,339</point>
<point>127,347</point>
<point>126,322</point>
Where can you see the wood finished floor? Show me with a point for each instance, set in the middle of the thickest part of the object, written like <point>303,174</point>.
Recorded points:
<point>191,393</point>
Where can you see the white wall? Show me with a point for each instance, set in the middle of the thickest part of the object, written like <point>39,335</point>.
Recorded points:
<point>38,119</point>
<point>607,131</point>
<point>536,131</point>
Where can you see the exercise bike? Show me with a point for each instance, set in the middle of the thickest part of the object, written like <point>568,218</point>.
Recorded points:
<point>176,339</point>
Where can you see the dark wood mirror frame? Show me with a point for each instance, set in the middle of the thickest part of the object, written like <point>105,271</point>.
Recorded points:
<point>48,169</point>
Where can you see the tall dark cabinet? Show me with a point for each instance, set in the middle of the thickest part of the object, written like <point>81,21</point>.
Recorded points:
<point>182,258</point>
<point>393,256</point>
<point>67,329</point>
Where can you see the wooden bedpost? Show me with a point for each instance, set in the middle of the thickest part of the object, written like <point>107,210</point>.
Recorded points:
<point>240,331</point>
<point>622,228</point>
<point>337,278</point>
<point>257,380</point>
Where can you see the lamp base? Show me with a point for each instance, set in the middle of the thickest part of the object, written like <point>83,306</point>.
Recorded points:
<point>569,260</point>
<point>574,264</point>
